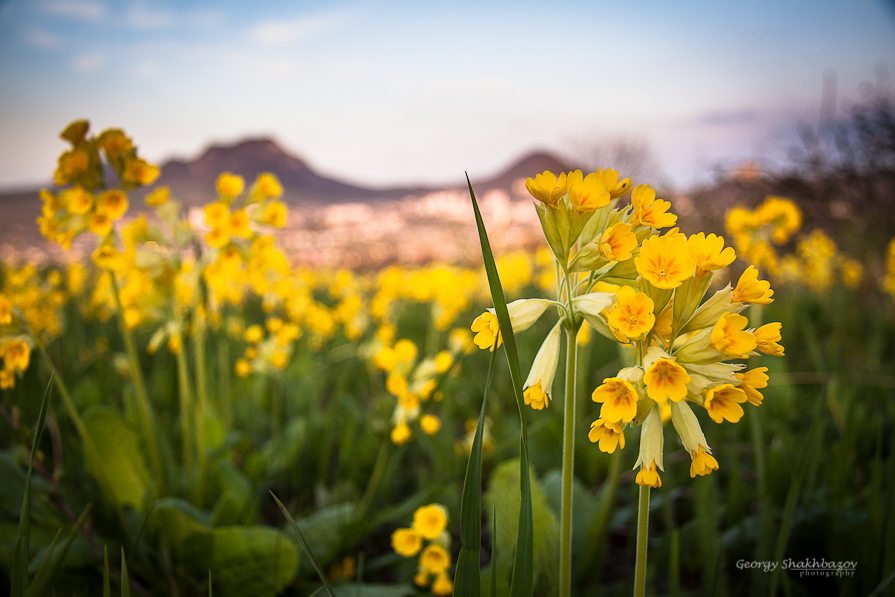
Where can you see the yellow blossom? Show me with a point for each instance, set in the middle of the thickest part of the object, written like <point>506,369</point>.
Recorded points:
<point>114,142</point>
<point>723,403</point>
<point>112,203</point>
<point>434,559</point>
<point>750,289</point>
<point>443,361</point>
<point>539,384</point>
<point>709,252</point>
<point>430,424</point>
<point>649,476</point>
<point>229,185</point>
<point>607,434</point>
<point>405,350</point>
<point>729,337</point>
<point>617,188</point>
<point>16,355</point>
<point>275,214</point>
<point>99,224</point>
<point>546,187</point>
<point>253,334</point>
<point>649,211</point>
<point>703,463</point>
<point>406,542</point>
<point>401,434</point>
<point>619,399</point>
<point>158,197</point>
<point>767,338</point>
<point>632,315</point>
<point>239,224</point>
<point>430,521</point>
<point>443,586</point>
<point>279,359</point>
<point>752,381</point>
<point>587,193</point>
<point>266,186</point>
<point>665,261</point>
<point>139,172</point>
<point>618,242</point>
<point>5,310</point>
<point>665,379</point>
<point>76,200</point>
<point>243,367</point>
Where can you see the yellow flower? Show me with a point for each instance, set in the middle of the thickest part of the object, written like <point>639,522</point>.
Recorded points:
<point>396,384</point>
<point>434,559</point>
<point>523,314</point>
<point>539,384</point>
<point>239,224</point>
<point>229,185</point>
<point>218,237</point>
<point>5,310</point>
<point>750,289</point>
<point>421,578</point>
<point>619,399</point>
<point>253,334</point>
<point>703,463</point>
<point>430,521</point>
<point>709,252</point>
<point>587,193</point>
<point>385,359</point>
<point>443,586</point>
<point>617,242</point>
<point>139,172</point>
<point>401,434</point>
<point>406,542</point>
<point>609,435</point>
<point>405,350</point>
<point>115,142</point>
<point>729,337</point>
<point>430,424</point>
<point>752,381</point>
<point>76,131</point>
<point>16,355</point>
<point>723,403</point>
<point>666,379</point>
<point>266,186</point>
<point>76,200</point>
<point>767,337</point>
<point>649,211</point>
<point>275,214</point>
<point>279,360</point>
<point>443,361</point>
<point>665,261</point>
<point>106,257</point>
<point>632,315</point>
<point>99,224</point>
<point>649,476</point>
<point>243,367</point>
<point>546,187</point>
<point>616,188</point>
<point>7,379</point>
<point>158,197</point>
<point>175,344</point>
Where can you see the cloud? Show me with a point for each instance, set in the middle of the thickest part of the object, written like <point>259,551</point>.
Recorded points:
<point>277,33</point>
<point>89,63</point>
<point>142,16</point>
<point>42,39</point>
<point>148,69</point>
<point>86,10</point>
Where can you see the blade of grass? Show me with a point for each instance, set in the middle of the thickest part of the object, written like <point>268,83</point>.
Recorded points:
<point>467,578</point>
<point>305,546</point>
<point>51,565</point>
<point>523,566</point>
<point>125,581</point>
<point>22,547</point>
<point>494,551</point>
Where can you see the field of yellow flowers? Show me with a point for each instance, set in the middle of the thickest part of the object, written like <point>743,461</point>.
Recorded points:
<point>189,413</point>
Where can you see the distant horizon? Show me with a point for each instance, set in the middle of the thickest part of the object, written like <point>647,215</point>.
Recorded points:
<point>397,93</point>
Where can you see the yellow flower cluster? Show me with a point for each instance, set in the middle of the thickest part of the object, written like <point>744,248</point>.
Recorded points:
<point>429,524</point>
<point>645,290</point>
<point>816,260</point>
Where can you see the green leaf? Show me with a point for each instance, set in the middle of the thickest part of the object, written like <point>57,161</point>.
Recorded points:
<point>305,546</point>
<point>125,581</point>
<point>252,560</point>
<point>467,578</point>
<point>494,550</point>
<point>107,583</point>
<point>354,589</point>
<point>118,456</point>
<point>523,571</point>
<point>50,566</point>
<point>22,548</point>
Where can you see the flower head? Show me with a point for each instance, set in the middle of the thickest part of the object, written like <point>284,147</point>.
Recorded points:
<point>767,338</point>
<point>229,185</point>
<point>665,261</point>
<point>649,211</point>
<point>752,381</point>
<point>430,521</point>
<point>709,252</point>
<point>664,378</point>
<point>607,435</point>
<point>546,187</point>
<point>723,403</point>
<point>587,193</point>
<point>435,559</point>
<point>632,315</point>
<point>619,399</point>
<point>729,337</point>
<point>618,242</point>
<point>750,289</point>
<point>407,542</point>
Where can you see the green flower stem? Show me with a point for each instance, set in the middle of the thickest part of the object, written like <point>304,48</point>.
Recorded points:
<point>568,462</point>
<point>186,428</point>
<point>146,418</point>
<point>201,392</point>
<point>224,370</point>
<point>375,478</point>
<point>642,534</point>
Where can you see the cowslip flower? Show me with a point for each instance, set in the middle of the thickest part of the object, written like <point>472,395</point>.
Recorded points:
<point>407,542</point>
<point>752,381</point>
<point>649,211</point>
<point>430,521</point>
<point>229,185</point>
<point>767,338</point>
<point>664,378</point>
<point>709,252</point>
<point>729,337</point>
<point>619,399</point>
<point>523,314</point>
<point>587,193</point>
<point>618,242</point>
<point>112,204</point>
<point>607,435</point>
<point>750,289</point>
<point>665,261</point>
<point>632,315</point>
<point>617,188</point>
<point>538,386</point>
<point>723,403</point>
<point>547,187</point>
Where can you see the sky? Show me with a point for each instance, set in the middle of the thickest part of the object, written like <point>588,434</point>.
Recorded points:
<point>394,92</point>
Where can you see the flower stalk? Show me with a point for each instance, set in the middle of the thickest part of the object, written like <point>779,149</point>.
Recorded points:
<point>568,460</point>
<point>642,537</point>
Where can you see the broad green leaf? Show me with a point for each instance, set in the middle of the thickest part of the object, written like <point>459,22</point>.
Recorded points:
<point>22,548</point>
<point>118,456</point>
<point>252,560</point>
<point>523,570</point>
<point>467,578</point>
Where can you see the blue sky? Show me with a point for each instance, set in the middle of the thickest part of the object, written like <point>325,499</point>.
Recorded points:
<point>403,92</point>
